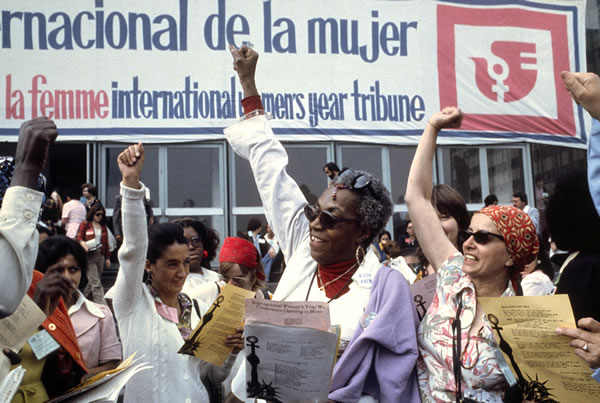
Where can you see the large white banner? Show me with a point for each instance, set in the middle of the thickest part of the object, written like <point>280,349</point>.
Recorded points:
<point>354,70</point>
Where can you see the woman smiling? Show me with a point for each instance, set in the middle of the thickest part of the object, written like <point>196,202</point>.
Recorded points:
<point>155,319</point>
<point>499,242</point>
<point>324,244</point>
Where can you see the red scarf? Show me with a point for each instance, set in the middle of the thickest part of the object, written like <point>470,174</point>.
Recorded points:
<point>328,273</point>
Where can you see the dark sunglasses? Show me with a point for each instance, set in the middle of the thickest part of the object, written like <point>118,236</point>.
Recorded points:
<point>326,219</point>
<point>481,237</point>
<point>99,215</point>
<point>361,182</point>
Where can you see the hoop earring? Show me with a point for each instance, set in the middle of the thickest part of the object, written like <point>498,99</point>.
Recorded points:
<point>360,251</point>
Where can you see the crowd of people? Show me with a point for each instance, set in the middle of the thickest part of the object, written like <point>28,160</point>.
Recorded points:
<point>334,250</point>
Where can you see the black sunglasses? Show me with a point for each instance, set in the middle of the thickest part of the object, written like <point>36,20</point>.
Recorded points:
<point>481,237</point>
<point>326,219</point>
<point>361,182</point>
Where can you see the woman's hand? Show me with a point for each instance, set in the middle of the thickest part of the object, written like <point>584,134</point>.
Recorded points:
<point>84,246</point>
<point>107,263</point>
<point>131,163</point>
<point>586,342</point>
<point>51,288</point>
<point>244,62</point>
<point>448,118</point>
<point>236,340</point>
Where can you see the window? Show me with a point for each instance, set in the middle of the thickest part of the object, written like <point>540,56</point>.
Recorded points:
<point>461,170</point>
<point>109,190</point>
<point>305,166</point>
<point>505,173</point>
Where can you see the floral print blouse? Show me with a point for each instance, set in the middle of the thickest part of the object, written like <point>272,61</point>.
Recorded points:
<point>483,382</point>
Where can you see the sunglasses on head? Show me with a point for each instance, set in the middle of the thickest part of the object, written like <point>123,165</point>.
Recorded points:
<point>326,219</point>
<point>481,237</point>
<point>361,182</point>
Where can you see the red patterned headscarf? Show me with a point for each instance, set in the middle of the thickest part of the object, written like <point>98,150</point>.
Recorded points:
<point>519,233</point>
<point>242,252</point>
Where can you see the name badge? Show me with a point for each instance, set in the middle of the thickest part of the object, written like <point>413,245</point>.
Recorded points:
<point>365,280</point>
<point>42,344</point>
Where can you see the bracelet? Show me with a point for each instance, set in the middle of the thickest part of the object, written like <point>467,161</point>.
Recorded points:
<point>434,126</point>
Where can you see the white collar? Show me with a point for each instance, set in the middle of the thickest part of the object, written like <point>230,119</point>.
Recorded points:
<point>91,307</point>
<point>526,209</point>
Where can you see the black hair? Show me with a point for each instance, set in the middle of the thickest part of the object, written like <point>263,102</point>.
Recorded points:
<point>382,233</point>
<point>572,219</point>
<point>448,201</point>
<point>91,189</point>
<point>160,237</point>
<point>92,212</point>
<point>521,195</point>
<point>210,237</point>
<point>73,192</point>
<point>490,199</point>
<point>56,247</point>
<point>253,224</point>
<point>332,167</point>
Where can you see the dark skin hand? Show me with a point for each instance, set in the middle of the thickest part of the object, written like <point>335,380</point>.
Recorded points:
<point>244,62</point>
<point>51,288</point>
<point>35,137</point>
<point>12,356</point>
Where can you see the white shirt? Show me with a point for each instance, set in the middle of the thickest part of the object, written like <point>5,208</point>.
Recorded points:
<point>18,244</point>
<point>174,377</point>
<point>537,283</point>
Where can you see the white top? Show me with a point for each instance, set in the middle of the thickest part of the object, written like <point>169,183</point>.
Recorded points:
<point>174,377</point>
<point>283,202</point>
<point>537,283</point>
<point>18,244</point>
<point>196,282</point>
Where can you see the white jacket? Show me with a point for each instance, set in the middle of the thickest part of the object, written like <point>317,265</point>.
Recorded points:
<point>174,377</point>
<point>283,202</point>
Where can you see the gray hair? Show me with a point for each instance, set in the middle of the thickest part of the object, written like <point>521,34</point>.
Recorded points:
<point>374,212</point>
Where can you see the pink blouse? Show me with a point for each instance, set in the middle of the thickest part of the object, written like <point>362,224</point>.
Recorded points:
<point>96,332</point>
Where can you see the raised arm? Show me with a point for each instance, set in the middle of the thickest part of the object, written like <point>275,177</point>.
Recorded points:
<point>253,140</point>
<point>429,231</point>
<point>132,255</point>
<point>20,211</point>
<point>585,90</point>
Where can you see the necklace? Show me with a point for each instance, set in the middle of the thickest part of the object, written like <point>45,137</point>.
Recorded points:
<point>462,356</point>
<point>323,285</point>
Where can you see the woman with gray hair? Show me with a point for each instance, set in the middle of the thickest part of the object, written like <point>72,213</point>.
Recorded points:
<point>324,244</point>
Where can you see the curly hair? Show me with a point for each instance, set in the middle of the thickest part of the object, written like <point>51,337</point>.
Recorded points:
<point>210,237</point>
<point>376,204</point>
<point>572,219</point>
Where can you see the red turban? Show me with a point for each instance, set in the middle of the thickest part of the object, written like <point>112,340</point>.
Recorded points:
<point>519,233</point>
<point>242,252</point>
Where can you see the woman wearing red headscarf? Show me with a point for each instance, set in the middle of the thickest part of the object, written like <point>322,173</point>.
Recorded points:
<point>499,242</point>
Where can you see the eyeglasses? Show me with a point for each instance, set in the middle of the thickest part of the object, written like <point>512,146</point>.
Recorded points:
<point>196,241</point>
<point>98,215</point>
<point>326,219</point>
<point>361,182</point>
<point>481,237</point>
